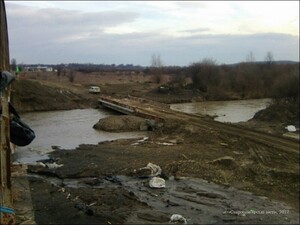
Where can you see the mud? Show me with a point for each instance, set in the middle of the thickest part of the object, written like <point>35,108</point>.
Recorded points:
<point>97,200</point>
<point>205,183</point>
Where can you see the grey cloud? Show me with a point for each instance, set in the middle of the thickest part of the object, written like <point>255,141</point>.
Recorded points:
<point>234,48</point>
<point>138,48</point>
<point>54,16</point>
<point>53,25</point>
<point>198,30</point>
<point>62,36</point>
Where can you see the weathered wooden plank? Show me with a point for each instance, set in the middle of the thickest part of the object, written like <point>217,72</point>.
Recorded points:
<point>5,151</point>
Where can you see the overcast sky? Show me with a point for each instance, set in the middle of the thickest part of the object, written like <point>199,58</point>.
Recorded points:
<point>129,32</point>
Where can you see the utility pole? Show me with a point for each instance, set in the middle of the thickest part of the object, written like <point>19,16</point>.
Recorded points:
<point>6,211</point>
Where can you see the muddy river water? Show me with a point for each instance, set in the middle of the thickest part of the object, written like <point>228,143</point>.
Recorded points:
<point>66,129</point>
<point>70,128</point>
<point>225,111</point>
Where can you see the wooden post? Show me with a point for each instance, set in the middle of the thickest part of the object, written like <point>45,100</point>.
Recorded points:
<point>5,151</point>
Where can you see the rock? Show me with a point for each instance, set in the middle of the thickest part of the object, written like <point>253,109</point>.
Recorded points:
<point>121,123</point>
<point>153,125</point>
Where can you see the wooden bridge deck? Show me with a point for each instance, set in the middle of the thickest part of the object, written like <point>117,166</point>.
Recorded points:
<point>134,106</point>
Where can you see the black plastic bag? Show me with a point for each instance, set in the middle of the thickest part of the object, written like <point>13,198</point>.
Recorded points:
<point>20,133</point>
<point>6,78</point>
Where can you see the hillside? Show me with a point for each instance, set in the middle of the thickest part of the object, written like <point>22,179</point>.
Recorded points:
<point>30,95</point>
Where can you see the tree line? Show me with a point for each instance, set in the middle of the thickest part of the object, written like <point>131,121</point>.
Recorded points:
<point>243,80</point>
<point>248,79</point>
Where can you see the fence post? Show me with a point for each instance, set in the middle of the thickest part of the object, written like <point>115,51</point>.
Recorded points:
<point>5,151</point>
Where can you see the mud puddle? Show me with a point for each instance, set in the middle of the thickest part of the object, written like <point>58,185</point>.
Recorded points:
<point>130,200</point>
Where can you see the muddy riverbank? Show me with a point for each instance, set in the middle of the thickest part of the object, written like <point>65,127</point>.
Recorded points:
<point>181,150</point>
<point>206,172</point>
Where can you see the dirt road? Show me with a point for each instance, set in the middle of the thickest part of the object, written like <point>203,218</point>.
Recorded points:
<point>142,106</point>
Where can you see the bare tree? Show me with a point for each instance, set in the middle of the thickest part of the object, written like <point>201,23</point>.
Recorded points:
<point>157,67</point>
<point>156,61</point>
<point>58,71</point>
<point>250,58</point>
<point>71,76</point>
<point>13,64</point>
<point>204,74</point>
<point>269,58</point>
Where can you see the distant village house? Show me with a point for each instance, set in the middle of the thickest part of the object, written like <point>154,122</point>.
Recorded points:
<point>38,69</point>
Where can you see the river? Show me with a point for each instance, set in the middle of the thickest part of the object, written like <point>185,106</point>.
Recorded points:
<point>70,128</point>
<point>66,129</point>
<point>225,111</point>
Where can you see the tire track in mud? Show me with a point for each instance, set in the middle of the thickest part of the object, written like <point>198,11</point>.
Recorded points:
<point>142,106</point>
<point>253,150</point>
<point>277,142</point>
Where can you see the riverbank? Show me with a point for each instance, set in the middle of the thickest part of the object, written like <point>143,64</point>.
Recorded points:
<point>181,148</point>
<point>99,184</point>
<point>88,184</point>
<point>47,92</point>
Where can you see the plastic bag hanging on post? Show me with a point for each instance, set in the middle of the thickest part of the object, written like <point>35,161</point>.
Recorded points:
<point>20,133</point>
<point>6,78</point>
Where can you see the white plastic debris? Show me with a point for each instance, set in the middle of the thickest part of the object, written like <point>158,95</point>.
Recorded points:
<point>155,169</point>
<point>291,128</point>
<point>176,218</point>
<point>41,164</point>
<point>157,182</point>
<point>165,143</point>
<point>151,170</point>
<point>53,165</point>
<point>140,141</point>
